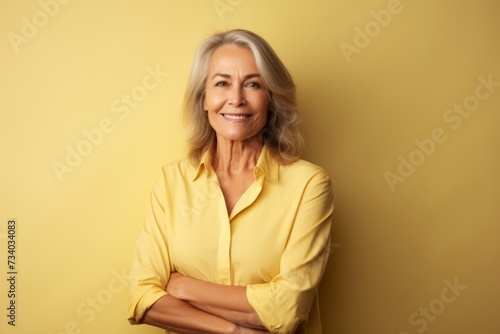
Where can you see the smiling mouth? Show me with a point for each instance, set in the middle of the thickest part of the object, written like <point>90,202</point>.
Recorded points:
<point>229,116</point>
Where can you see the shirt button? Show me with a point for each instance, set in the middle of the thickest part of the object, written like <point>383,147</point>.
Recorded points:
<point>223,252</point>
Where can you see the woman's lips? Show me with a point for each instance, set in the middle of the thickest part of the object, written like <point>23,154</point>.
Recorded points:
<point>235,116</point>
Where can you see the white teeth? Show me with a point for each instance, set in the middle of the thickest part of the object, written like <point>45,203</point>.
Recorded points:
<point>235,116</point>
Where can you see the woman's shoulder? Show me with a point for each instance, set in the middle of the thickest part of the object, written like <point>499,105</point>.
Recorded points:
<point>179,168</point>
<point>174,176</point>
<point>304,169</point>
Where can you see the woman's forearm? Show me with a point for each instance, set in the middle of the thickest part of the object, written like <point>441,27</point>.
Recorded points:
<point>226,301</point>
<point>245,319</point>
<point>176,315</point>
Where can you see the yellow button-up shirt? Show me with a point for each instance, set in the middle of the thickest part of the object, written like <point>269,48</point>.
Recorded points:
<point>276,241</point>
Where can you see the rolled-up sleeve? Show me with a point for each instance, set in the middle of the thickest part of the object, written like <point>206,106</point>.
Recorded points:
<point>285,302</point>
<point>151,264</point>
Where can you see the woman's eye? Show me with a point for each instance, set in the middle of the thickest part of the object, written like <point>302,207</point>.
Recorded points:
<point>253,84</point>
<point>221,84</point>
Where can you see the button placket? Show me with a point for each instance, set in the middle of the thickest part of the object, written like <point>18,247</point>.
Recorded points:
<point>224,244</point>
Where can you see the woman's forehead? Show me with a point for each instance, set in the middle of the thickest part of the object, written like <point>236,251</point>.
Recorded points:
<point>229,58</point>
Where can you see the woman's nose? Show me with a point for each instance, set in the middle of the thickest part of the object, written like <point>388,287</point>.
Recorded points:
<point>237,97</point>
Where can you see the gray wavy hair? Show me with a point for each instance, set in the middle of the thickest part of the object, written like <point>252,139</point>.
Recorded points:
<point>281,132</point>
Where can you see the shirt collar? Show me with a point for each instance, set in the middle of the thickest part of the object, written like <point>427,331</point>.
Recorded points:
<point>265,164</point>
<point>204,165</point>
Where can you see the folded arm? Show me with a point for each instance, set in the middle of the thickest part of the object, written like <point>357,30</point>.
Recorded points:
<point>176,315</point>
<point>225,301</point>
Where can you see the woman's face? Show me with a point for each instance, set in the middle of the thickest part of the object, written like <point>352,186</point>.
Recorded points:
<point>235,96</point>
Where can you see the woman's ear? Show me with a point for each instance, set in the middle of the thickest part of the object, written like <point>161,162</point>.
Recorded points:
<point>204,105</point>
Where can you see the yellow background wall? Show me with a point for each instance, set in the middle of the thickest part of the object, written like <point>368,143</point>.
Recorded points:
<point>381,84</point>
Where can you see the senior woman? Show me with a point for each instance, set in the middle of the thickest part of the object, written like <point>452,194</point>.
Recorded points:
<point>237,235</point>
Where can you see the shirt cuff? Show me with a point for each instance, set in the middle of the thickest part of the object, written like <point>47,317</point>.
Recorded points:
<point>276,320</point>
<point>139,306</point>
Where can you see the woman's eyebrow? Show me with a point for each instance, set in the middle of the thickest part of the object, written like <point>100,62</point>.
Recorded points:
<point>228,76</point>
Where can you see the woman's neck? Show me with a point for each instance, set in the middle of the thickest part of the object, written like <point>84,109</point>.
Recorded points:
<point>233,158</point>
